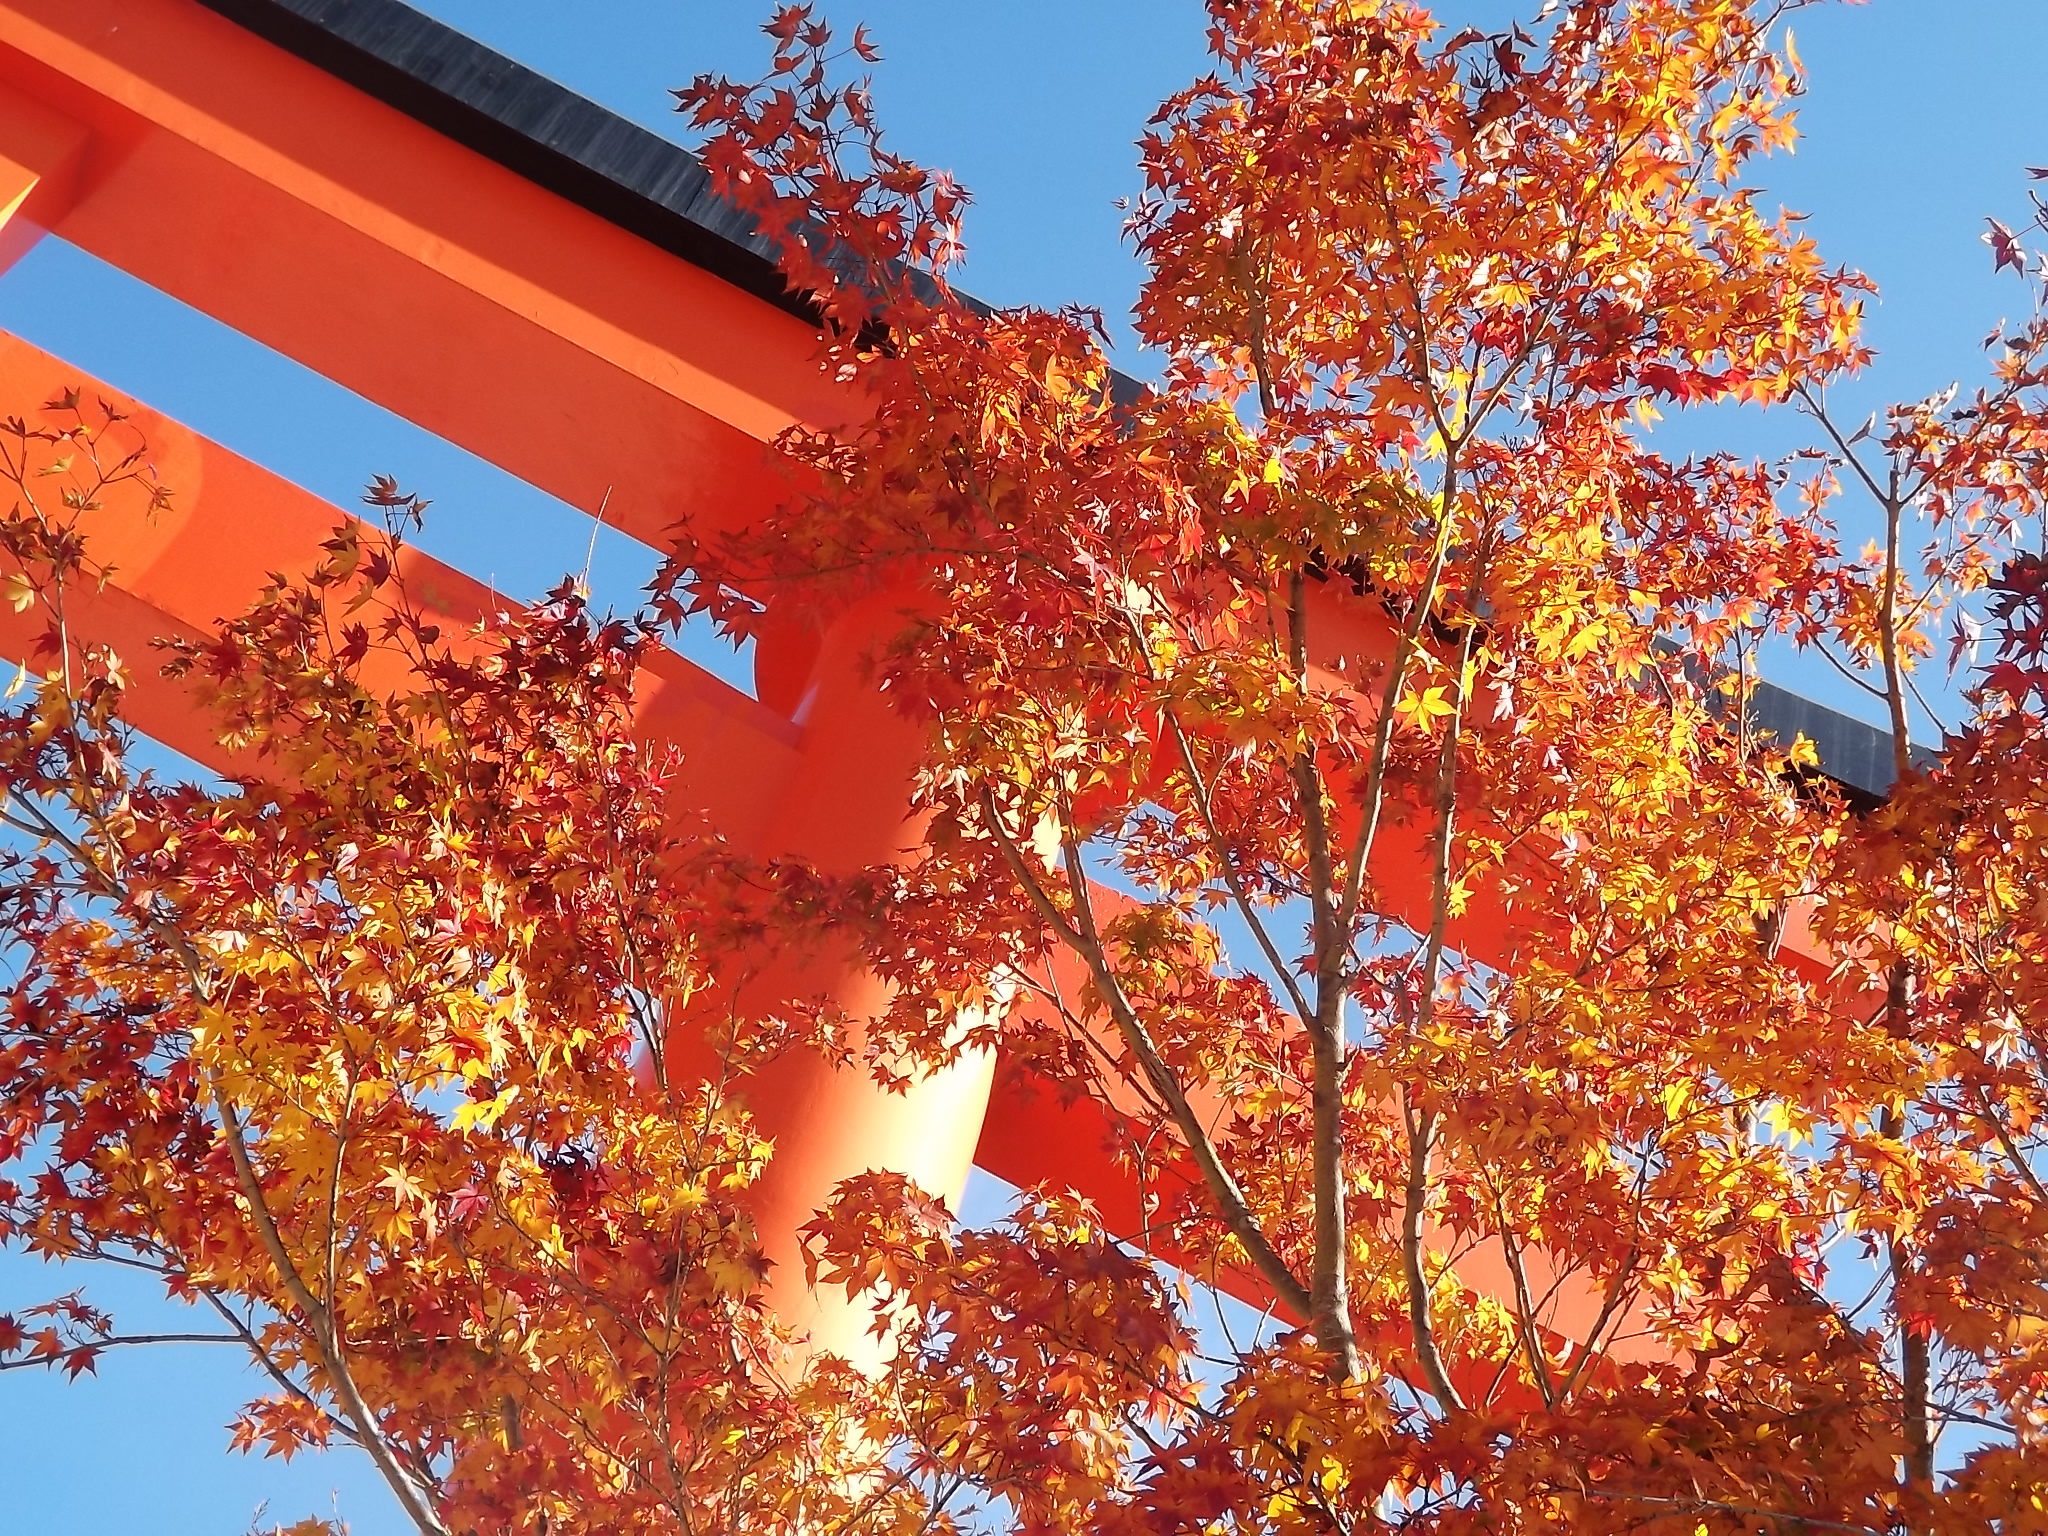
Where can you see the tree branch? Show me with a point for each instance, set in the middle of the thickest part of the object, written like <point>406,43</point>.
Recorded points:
<point>1082,936</point>
<point>1421,1128</point>
<point>1330,1283</point>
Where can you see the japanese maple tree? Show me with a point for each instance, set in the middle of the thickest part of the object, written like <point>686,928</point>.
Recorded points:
<point>1337,766</point>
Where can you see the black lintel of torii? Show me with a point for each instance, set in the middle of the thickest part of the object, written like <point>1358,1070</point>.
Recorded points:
<point>657,190</point>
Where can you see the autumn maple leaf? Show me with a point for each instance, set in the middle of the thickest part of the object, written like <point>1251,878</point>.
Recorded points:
<point>2006,250</point>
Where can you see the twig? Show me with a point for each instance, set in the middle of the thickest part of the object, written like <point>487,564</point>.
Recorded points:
<point>1082,937</point>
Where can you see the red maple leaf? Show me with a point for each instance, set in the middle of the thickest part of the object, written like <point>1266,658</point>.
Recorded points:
<point>2006,250</point>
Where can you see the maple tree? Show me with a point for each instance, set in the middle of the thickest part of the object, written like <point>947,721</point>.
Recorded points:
<point>1335,766</point>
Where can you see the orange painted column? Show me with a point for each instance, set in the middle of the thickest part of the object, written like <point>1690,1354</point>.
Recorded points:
<point>844,809</point>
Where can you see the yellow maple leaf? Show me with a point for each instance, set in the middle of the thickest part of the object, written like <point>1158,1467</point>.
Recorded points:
<point>1419,711</point>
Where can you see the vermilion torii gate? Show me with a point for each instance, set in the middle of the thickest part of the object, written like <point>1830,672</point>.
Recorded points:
<point>555,290</point>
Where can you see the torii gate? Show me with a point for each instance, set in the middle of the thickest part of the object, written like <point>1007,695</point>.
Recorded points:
<point>555,289</point>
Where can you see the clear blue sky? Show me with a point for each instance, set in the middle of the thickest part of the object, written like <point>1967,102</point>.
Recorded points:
<point>1920,118</point>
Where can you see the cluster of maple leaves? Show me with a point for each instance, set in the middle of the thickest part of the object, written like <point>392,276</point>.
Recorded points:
<point>1336,767</point>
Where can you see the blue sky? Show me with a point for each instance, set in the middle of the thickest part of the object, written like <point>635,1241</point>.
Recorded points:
<point>1921,115</point>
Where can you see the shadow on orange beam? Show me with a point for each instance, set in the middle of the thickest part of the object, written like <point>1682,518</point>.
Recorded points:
<point>410,269</point>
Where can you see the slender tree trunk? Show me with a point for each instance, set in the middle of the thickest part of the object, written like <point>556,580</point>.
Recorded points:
<point>1915,1347</point>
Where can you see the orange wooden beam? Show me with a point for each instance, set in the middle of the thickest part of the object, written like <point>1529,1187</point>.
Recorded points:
<point>418,273</point>
<point>231,525</point>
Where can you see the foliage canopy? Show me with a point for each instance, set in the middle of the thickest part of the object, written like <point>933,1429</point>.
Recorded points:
<point>1334,764</point>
